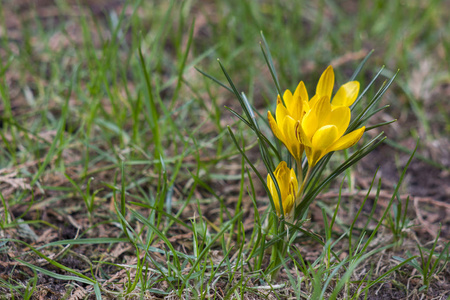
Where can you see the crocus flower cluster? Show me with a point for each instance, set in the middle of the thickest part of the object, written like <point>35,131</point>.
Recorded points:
<point>313,126</point>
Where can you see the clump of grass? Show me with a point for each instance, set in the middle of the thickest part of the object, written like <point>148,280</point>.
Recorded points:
<point>431,265</point>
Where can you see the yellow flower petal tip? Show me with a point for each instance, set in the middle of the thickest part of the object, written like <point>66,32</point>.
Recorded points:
<point>348,140</point>
<point>346,95</point>
<point>326,83</point>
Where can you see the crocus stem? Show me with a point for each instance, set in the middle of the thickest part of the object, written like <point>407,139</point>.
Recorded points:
<point>299,172</point>
<point>302,187</point>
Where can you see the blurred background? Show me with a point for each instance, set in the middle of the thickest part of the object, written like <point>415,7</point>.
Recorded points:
<point>45,39</point>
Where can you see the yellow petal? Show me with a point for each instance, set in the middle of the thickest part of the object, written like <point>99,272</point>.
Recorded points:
<point>294,182</point>
<point>273,192</point>
<point>280,113</point>
<point>309,124</point>
<point>293,188</point>
<point>324,137</point>
<point>313,101</point>
<point>302,136</point>
<point>306,107</point>
<point>291,141</point>
<point>274,126</point>
<point>322,110</point>
<point>346,94</point>
<point>326,83</point>
<point>287,97</point>
<point>340,117</point>
<point>288,204</point>
<point>294,106</point>
<point>301,92</point>
<point>282,175</point>
<point>348,140</point>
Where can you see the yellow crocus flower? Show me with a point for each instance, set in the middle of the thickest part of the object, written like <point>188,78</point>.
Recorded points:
<point>323,123</point>
<point>289,117</point>
<point>322,130</point>
<point>288,184</point>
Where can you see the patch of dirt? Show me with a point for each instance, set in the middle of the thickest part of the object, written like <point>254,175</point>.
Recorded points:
<point>427,186</point>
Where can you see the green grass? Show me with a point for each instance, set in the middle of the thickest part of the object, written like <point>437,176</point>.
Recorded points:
<point>140,182</point>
